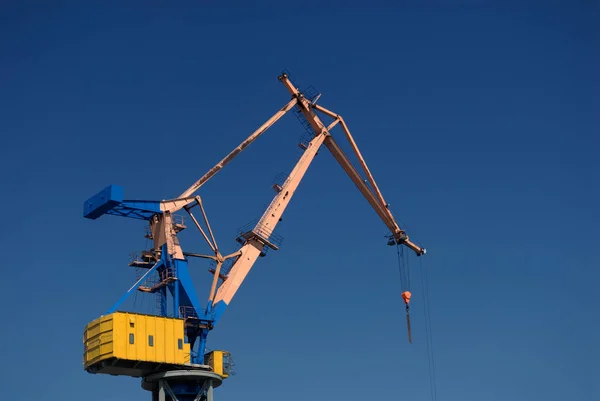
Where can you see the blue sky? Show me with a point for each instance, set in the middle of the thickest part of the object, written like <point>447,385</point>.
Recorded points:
<point>480,124</point>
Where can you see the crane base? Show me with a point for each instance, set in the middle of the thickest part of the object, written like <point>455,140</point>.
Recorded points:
<point>182,385</point>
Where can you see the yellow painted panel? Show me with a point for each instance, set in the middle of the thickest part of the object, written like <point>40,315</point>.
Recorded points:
<point>151,340</point>
<point>135,337</point>
<point>219,362</point>
<point>98,339</point>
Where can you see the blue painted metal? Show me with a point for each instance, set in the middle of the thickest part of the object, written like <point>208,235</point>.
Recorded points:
<point>218,310</point>
<point>110,201</point>
<point>190,297</point>
<point>201,346</point>
<point>176,296</point>
<point>133,288</point>
<point>104,201</point>
<point>179,290</point>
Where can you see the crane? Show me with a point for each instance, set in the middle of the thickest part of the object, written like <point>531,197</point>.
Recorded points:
<point>168,350</point>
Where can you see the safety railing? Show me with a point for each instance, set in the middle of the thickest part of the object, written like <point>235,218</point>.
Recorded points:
<point>189,312</point>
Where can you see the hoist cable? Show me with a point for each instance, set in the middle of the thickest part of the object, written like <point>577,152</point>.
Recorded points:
<point>428,334</point>
<point>408,328</point>
<point>405,284</point>
<point>400,253</point>
<point>407,266</point>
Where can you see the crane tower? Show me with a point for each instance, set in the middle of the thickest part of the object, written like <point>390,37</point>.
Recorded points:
<point>167,350</point>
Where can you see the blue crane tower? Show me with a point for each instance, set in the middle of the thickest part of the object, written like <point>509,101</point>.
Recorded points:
<point>167,350</point>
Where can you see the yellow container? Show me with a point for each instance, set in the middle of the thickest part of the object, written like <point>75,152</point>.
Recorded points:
<point>131,344</point>
<point>220,362</point>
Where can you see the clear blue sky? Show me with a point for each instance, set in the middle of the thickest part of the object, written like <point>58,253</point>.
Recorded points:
<point>480,124</point>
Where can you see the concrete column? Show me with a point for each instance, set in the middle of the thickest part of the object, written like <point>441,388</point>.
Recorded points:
<point>209,391</point>
<point>161,390</point>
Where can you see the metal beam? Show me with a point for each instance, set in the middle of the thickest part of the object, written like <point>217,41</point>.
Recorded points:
<point>355,176</point>
<point>374,196</point>
<point>361,159</point>
<point>134,287</point>
<point>239,149</point>
<point>252,247</point>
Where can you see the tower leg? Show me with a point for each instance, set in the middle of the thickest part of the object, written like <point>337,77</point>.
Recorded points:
<point>209,391</point>
<point>160,393</point>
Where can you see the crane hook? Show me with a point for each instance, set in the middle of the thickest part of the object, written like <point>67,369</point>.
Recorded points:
<point>406,297</point>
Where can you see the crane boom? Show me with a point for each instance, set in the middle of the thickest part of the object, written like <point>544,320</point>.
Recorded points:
<point>239,149</point>
<point>358,154</point>
<point>258,238</point>
<point>374,197</point>
<point>354,175</point>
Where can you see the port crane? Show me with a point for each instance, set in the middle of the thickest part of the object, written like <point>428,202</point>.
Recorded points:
<point>168,350</point>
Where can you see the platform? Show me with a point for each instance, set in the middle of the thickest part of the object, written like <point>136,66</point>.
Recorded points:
<point>124,367</point>
<point>182,385</point>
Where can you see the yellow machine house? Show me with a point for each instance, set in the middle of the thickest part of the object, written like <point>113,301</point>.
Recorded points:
<point>134,344</point>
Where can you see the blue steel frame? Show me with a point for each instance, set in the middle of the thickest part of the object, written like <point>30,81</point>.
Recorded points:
<point>185,301</point>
